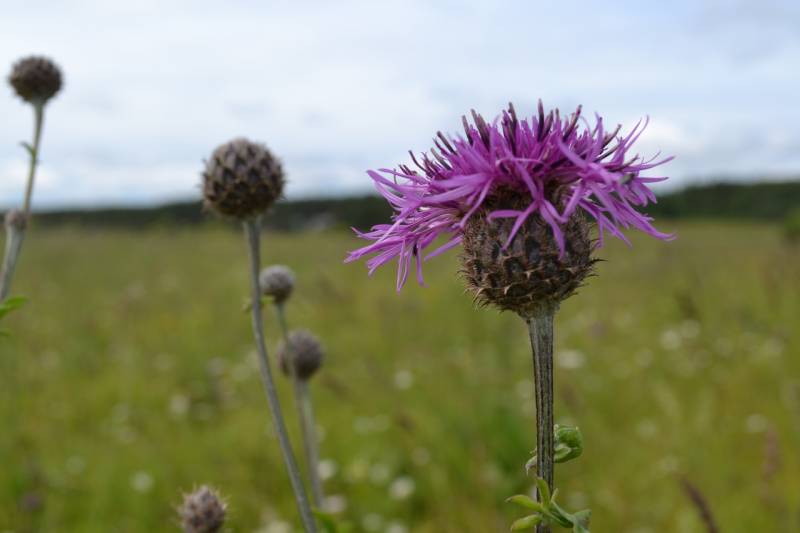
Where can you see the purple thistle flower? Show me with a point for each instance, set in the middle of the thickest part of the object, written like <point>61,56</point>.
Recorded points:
<point>557,166</point>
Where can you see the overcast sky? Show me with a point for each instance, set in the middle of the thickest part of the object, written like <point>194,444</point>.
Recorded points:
<point>335,88</point>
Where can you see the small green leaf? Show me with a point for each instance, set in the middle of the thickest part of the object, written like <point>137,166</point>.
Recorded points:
<point>527,502</point>
<point>328,523</point>
<point>11,304</point>
<point>28,148</point>
<point>544,490</point>
<point>581,522</point>
<point>559,515</point>
<point>247,304</point>
<point>568,443</point>
<point>577,527</point>
<point>569,435</point>
<point>529,522</point>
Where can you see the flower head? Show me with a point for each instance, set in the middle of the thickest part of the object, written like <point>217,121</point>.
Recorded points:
<point>35,79</point>
<point>242,179</point>
<point>304,352</point>
<point>547,170</point>
<point>277,281</point>
<point>202,511</point>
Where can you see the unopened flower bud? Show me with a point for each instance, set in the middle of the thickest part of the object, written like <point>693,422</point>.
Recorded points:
<point>242,179</point>
<point>304,351</point>
<point>277,281</point>
<point>202,511</point>
<point>35,79</point>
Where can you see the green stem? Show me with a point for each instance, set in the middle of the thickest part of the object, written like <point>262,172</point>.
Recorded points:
<point>251,227</point>
<point>310,440</point>
<point>38,111</point>
<point>14,236</point>
<point>540,328</point>
<point>305,413</point>
<point>15,233</point>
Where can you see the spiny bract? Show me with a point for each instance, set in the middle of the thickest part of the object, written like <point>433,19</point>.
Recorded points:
<point>530,275</point>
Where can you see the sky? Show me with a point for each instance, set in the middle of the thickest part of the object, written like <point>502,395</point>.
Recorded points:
<point>336,88</point>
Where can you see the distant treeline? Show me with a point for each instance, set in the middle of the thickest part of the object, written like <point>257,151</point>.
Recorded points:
<point>321,213</point>
<point>752,201</point>
<point>759,201</point>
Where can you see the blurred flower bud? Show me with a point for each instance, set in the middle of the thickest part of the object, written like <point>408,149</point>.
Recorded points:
<point>277,281</point>
<point>202,511</point>
<point>242,179</point>
<point>35,79</point>
<point>304,351</point>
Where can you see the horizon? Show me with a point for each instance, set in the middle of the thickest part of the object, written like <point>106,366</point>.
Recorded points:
<point>662,194</point>
<point>337,90</point>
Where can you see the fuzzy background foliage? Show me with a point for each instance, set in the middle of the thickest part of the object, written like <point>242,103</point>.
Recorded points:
<point>130,377</point>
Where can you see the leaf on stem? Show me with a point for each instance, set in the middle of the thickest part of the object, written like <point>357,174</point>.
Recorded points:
<point>29,149</point>
<point>528,522</point>
<point>527,502</point>
<point>11,304</point>
<point>568,445</point>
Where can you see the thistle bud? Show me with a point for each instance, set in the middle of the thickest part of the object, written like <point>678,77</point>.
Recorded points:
<point>16,219</point>
<point>242,179</point>
<point>277,281</point>
<point>530,274</point>
<point>35,79</point>
<point>304,352</point>
<point>202,511</point>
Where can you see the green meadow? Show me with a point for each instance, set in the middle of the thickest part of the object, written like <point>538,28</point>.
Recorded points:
<point>130,376</point>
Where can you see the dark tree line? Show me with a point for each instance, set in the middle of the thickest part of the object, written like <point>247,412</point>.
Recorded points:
<point>752,201</point>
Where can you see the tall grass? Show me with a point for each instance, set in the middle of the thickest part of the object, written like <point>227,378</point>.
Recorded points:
<point>130,375</point>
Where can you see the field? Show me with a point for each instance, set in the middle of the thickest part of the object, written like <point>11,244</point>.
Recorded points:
<point>131,376</point>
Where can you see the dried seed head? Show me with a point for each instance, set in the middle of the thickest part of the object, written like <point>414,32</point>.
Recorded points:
<point>16,219</point>
<point>242,179</point>
<point>202,511</point>
<point>305,351</point>
<point>277,281</point>
<point>35,79</point>
<point>527,276</point>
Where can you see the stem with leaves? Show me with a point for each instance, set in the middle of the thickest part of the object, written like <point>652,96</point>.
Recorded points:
<point>305,414</point>
<point>16,222</point>
<point>555,444</point>
<point>252,231</point>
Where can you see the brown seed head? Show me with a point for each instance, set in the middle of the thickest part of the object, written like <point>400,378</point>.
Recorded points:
<point>35,79</point>
<point>202,511</point>
<point>527,277</point>
<point>242,179</point>
<point>277,281</point>
<point>305,351</point>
